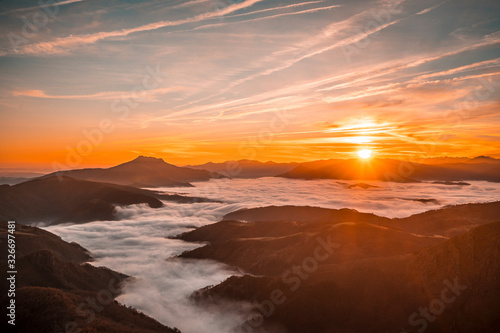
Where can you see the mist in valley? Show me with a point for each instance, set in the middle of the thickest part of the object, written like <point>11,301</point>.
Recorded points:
<point>140,243</point>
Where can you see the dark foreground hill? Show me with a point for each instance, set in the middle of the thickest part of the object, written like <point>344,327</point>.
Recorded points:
<point>360,277</point>
<point>56,291</point>
<point>54,200</point>
<point>141,172</point>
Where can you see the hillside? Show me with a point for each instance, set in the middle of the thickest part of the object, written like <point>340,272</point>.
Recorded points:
<point>448,221</point>
<point>268,240</point>
<point>54,286</point>
<point>54,200</point>
<point>381,294</point>
<point>258,251</point>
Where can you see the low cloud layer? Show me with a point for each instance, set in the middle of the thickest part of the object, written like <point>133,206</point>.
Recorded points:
<point>388,199</point>
<point>137,245</point>
<point>161,284</point>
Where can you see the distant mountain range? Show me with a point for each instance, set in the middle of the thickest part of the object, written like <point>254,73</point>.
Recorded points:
<point>155,172</point>
<point>54,200</point>
<point>247,168</point>
<point>325,270</point>
<point>482,168</point>
<point>437,169</point>
<point>91,194</point>
<point>55,285</point>
<point>141,172</point>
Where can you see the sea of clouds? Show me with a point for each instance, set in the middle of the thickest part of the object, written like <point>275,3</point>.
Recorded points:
<point>138,244</point>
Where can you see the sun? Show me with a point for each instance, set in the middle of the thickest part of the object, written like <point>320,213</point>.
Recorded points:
<point>365,153</point>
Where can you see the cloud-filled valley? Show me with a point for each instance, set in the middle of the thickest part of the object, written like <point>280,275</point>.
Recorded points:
<point>139,245</point>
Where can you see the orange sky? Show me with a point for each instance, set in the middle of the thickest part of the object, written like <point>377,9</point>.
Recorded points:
<point>195,82</point>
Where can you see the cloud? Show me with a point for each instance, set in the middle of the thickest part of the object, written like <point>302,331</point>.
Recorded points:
<point>42,5</point>
<point>138,244</point>
<point>312,10</point>
<point>425,11</point>
<point>189,3</point>
<point>147,95</point>
<point>475,66</point>
<point>66,44</point>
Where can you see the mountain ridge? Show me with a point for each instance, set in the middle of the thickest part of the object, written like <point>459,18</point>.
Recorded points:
<point>379,294</point>
<point>143,171</point>
<point>54,200</point>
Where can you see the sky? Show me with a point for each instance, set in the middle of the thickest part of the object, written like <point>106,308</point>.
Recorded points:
<point>97,83</point>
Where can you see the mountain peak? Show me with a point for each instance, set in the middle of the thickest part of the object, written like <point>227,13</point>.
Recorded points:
<point>148,159</point>
<point>482,157</point>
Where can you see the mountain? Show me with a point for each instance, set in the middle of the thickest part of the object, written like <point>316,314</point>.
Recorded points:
<point>54,200</point>
<point>444,160</point>
<point>302,214</point>
<point>480,168</point>
<point>446,222</point>
<point>247,168</point>
<point>141,172</point>
<point>57,291</point>
<point>451,220</point>
<point>268,240</point>
<point>260,248</point>
<point>448,285</point>
<point>155,172</point>
<point>352,169</point>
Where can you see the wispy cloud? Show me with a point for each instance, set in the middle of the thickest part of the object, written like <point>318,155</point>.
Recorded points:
<point>425,11</point>
<point>66,44</point>
<point>145,95</point>
<point>307,11</point>
<point>233,65</point>
<point>42,5</point>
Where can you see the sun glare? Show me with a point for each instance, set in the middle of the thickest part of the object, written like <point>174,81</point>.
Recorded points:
<point>365,153</point>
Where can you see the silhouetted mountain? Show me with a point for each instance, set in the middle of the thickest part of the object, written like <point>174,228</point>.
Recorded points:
<point>247,168</point>
<point>302,214</point>
<point>444,160</point>
<point>55,288</point>
<point>259,251</point>
<point>448,221</point>
<point>141,172</point>
<point>481,168</point>
<point>273,239</point>
<point>474,170</point>
<point>451,220</point>
<point>353,169</point>
<point>450,286</point>
<point>55,200</point>
<point>482,159</point>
